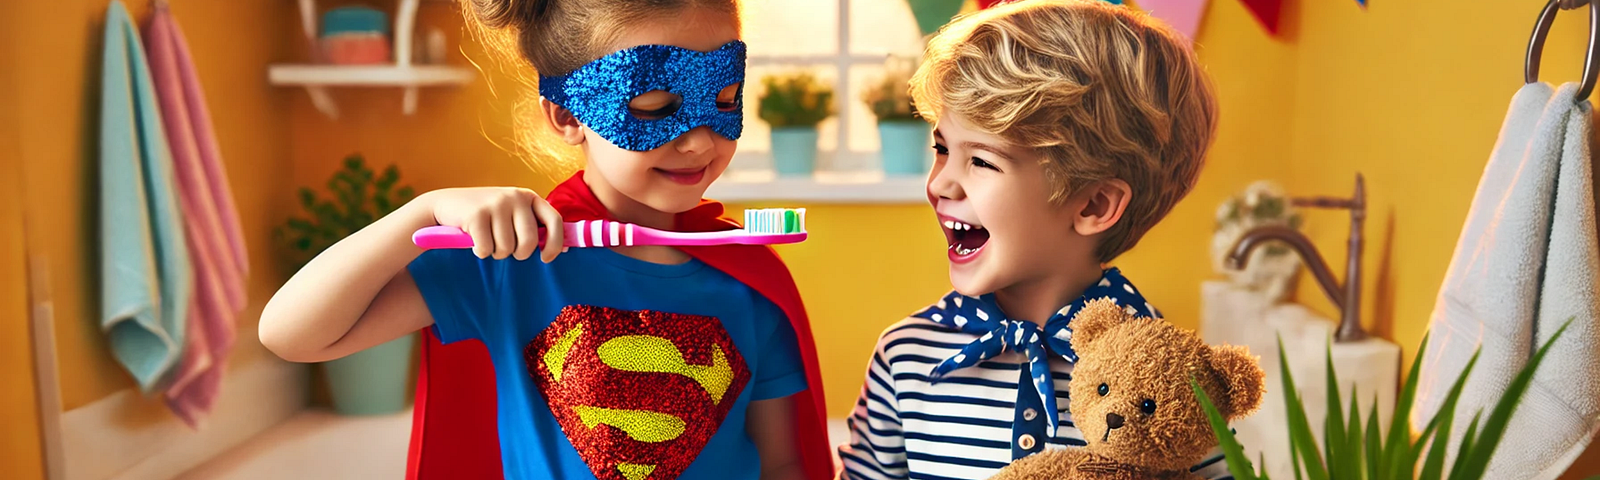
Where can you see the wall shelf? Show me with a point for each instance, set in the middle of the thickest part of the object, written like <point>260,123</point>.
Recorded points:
<point>369,75</point>
<point>861,187</point>
<point>316,78</point>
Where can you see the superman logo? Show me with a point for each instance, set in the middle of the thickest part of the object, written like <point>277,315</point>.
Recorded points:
<point>638,393</point>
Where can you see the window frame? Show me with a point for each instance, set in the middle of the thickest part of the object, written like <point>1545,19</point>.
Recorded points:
<point>843,159</point>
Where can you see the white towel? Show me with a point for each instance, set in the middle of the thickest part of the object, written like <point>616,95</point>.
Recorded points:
<point>1526,261</point>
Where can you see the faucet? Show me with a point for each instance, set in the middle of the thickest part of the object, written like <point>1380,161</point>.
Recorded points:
<point>1346,297</point>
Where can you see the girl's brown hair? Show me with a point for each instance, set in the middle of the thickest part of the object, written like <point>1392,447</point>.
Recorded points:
<point>558,36</point>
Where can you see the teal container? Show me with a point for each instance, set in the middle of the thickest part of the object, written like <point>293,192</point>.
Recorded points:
<point>354,20</point>
<point>794,151</point>
<point>906,146</point>
<point>374,381</point>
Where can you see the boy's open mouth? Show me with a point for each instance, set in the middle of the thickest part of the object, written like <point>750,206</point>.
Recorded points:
<point>964,238</point>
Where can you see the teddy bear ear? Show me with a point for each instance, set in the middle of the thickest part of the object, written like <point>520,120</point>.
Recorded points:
<point>1095,318</point>
<point>1241,374</point>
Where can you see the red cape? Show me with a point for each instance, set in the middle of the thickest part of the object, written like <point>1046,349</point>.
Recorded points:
<point>454,433</point>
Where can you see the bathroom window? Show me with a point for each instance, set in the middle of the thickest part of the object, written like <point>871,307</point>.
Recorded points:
<point>844,42</point>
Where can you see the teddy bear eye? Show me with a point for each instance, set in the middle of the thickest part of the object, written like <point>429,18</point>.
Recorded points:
<point>1148,406</point>
<point>1104,389</point>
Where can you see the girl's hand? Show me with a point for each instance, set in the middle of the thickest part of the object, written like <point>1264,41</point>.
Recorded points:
<point>503,221</point>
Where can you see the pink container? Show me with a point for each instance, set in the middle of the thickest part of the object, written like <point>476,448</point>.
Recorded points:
<point>356,48</point>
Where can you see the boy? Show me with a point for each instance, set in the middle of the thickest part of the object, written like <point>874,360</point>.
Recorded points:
<point>1065,131</point>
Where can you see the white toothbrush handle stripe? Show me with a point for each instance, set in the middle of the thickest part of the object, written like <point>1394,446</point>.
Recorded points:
<point>761,227</point>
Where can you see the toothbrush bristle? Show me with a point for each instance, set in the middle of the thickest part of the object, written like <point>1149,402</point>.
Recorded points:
<point>775,220</point>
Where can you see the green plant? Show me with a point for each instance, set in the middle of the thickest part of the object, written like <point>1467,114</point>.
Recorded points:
<point>1352,452</point>
<point>889,97</point>
<point>1262,203</point>
<point>795,100</point>
<point>359,198</point>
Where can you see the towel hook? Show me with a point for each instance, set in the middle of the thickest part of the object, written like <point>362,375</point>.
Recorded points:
<point>1591,69</point>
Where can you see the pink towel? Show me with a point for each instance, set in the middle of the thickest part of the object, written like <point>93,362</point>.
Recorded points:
<point>210,223</point>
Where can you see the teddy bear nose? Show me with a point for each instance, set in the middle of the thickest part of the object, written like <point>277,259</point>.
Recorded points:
<point>1113,420</point>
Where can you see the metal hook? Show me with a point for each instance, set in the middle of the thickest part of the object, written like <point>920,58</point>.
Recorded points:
<point>1591,68</point>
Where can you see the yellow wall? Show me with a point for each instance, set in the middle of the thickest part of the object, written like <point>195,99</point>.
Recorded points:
<point>57,59</point>
<point>20,448</point>
<point>1412,94</point>
<point>1409,93</point>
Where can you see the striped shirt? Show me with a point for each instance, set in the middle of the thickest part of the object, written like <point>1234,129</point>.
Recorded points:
<point>905,426</point>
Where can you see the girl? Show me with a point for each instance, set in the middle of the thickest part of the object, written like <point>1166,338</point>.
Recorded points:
<point>629,362</point>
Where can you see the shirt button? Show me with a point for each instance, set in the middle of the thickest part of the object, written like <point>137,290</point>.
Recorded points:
<point>1025,441</point>
<point>1029,414</point>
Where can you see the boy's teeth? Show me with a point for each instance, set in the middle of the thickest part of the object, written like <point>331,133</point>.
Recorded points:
<point>954,225</point>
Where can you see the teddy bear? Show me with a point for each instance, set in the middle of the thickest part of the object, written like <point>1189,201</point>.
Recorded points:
<point>1130,396</point>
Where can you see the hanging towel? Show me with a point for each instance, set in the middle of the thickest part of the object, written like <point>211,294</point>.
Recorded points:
<point>1526,262</point>
<point>145,270</point>
<point>211,226</point>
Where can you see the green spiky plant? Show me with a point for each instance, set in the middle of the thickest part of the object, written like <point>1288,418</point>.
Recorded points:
<point>1351,451</point>
<point>795,100</point>
<point>360,197</point>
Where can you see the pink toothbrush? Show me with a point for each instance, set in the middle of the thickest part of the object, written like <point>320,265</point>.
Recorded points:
<point>762,227</point>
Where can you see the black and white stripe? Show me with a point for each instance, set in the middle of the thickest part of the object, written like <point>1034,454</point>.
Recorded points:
<point>905,426</point>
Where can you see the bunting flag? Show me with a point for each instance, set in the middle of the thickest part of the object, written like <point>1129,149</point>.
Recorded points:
<point>983,4</point>
<point>932,14</point>
<point>1183,15</point>
<point>1266,12</point>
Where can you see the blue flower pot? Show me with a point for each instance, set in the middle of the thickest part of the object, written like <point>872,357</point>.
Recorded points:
<point>794,151</point>
<point>906,147</point>
<point>374,381</point>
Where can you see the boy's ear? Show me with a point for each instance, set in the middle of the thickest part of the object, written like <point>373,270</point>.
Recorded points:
<point>1103,205</point>
<point>1241,375</point>
<point>561,120</point>
<point>1096,318</point>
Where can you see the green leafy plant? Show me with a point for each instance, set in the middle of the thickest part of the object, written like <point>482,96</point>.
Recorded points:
<point>1263,203</point>
<point>795,100</point>
<point>1350,451</point>
<point>360,197</point>
<point>889,96</point>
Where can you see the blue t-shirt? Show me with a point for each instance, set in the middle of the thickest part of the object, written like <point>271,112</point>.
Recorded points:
<point>605,363</point>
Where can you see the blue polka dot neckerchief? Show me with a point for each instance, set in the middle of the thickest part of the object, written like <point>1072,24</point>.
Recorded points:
<point>981,315</point>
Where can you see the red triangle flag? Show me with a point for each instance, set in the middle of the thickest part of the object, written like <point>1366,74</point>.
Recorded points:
<point>1266,12</point>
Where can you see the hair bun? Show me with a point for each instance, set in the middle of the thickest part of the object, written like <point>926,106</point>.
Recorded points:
<point>508,13</point>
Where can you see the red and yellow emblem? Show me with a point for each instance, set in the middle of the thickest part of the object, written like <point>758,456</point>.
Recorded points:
<point>637,393</point>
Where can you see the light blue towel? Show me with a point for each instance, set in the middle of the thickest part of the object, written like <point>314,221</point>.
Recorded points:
<point>145,270</point>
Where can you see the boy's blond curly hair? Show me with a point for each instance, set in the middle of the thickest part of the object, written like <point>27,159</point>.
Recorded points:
<point>1103,91</point>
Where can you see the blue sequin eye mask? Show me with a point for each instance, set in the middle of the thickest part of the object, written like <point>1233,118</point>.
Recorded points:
<point>600,93</point>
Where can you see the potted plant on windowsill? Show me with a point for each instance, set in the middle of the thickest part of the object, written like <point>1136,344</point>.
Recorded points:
<point>793,105</point>
<point>373,381</point>
<point>902,135</point>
